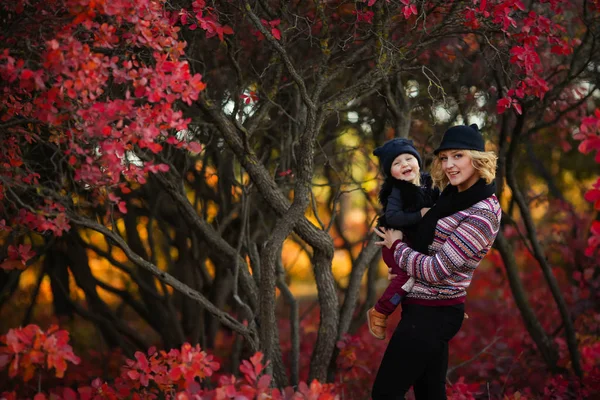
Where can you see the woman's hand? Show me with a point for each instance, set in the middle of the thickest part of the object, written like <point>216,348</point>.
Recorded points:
<point>388,236</point>
<point>424,211</point>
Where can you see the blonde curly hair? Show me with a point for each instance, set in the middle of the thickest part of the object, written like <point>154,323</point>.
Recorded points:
<point>484,163</point>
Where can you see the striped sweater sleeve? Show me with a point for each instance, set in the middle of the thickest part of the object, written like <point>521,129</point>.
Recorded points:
<point>474,234</point>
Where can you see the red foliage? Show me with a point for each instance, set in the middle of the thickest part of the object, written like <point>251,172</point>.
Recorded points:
<point>60,91</point>
<point>18,257</point>
<point>589,134</point>
<point>492,355</point>
<point>180,374</point>
<point>175,368</point>
<point>205,18</point>
<point>27,350</point>
<point>531,33</point>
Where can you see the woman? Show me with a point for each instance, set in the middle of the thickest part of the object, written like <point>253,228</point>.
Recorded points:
<point>452,239</point>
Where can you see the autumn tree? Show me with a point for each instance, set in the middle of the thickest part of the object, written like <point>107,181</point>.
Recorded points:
<point>184,142</point>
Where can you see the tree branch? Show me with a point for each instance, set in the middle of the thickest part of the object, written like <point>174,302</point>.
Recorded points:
<point>226,319</point>
<point>538,252</point>
<point>284,55</point>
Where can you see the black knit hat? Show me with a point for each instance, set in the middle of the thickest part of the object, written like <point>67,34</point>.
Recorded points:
<point>462,137</point>
<point>392,149</point>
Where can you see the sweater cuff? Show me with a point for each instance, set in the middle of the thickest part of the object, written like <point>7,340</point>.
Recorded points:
<point>395,244</point>
<point>399,247</point>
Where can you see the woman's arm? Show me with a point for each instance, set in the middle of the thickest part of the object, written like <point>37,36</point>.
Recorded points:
<point>471,236</point>
<point>395,216</point>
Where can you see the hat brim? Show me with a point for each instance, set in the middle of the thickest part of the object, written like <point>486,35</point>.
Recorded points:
<point>455,147</point>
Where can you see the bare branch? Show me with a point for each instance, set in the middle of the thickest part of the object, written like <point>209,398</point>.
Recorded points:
<point>284,55</point>
<point>226,319</point>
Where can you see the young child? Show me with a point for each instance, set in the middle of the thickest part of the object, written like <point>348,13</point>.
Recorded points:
<point>406,195</point>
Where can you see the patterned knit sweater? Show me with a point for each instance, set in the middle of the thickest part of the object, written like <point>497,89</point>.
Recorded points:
<point>461,241</point>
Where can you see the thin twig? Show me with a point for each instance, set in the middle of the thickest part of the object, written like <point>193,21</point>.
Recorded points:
<point>477,355</point>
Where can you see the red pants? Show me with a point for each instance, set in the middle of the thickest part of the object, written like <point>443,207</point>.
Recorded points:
<point>397,288</point>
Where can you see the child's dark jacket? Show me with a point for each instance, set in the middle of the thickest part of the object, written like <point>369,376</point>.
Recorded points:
<point>402,202</point>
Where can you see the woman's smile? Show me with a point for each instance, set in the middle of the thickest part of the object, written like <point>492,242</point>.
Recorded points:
<point>459,169</point>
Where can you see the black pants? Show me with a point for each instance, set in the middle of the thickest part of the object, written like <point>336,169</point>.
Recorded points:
<point>417,354</point>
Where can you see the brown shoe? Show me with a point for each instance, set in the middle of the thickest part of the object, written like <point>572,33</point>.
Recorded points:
<point>377,322</point>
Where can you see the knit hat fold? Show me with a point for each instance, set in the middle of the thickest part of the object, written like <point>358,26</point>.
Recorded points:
<point>462,137</point>
<point>391,149</point>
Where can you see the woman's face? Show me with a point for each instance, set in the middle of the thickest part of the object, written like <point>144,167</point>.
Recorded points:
<point>405,167</point>
<point>458,167</point>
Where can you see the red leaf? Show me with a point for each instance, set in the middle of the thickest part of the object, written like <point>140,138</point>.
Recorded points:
<point>409,10</point>
<point>194,147</point>
<point>22,253</point>
<point>502,105</point>
<point>113,197</point>
<point>264,382</point>
<point>592,195</point>
<point>12,264</point>
<point>4,360</point>
<point>3,226</point>
<point>123,207</point>
<point>589,144</point>
<point>520,5</point>
<point>69,394</point>
<point>517,107</point>
<point>133,374</point>
<point>595,228</point>
<point>26,74</point>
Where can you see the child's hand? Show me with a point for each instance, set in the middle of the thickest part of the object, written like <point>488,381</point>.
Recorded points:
<point>389,236</point>
<point>424,211</point>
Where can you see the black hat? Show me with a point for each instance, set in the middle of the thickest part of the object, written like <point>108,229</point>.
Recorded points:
<point>392,149</point>
<point>462,137</point>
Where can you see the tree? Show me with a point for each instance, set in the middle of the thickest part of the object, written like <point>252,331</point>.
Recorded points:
<point>109,130</point>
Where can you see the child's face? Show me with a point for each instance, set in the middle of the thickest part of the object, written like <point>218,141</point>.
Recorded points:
<point>405,167</point>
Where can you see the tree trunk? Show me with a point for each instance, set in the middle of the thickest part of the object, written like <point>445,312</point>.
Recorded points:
<point>364,259</point>
<point>294,317</point>
<point>535,329</point>
<point>319,240</point>
<point>538,252</point>
<point>59,278</point>
<point>77,259</point>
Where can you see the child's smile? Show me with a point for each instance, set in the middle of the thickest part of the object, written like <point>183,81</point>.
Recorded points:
<point>405,167</point>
